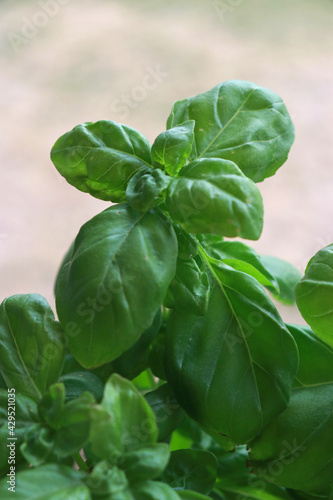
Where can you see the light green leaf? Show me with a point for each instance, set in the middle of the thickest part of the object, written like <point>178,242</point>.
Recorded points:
<point>239,121</point>
<point>100,158</point>
<point>153,490</point>
<point>172,147</point>
<point>232,369</point>
<point>212,195</point>
<point>51,482</point>
<point>145,463</point>
<point>314,294</point>
<point>32,345</point>
<point>119,273</point>
<point>191,470</point>
<point>286,275</point>
<point>192,495</point>
<point>146,187</point>
<point>125,422</point>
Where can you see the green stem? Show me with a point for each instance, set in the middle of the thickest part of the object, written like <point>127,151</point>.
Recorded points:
<point>80,462</point>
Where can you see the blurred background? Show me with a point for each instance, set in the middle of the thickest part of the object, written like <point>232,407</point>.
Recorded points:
<point>64,62</point>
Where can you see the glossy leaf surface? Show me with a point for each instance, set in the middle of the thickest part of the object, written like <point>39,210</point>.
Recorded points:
<point>145,188</point>
<point>232,369</point>
<point>100,158</point>
<point>109,292</point>
<point>239,121</point>
<point>172,147</point>
<point>32,345</point>
<point>314,294</point>
<point>212,195</point>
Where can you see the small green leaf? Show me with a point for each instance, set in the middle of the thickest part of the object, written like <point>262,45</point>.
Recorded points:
<point>192,470</point>
<point>38,445</point>
<point>189,290</point>
<point>192,495</point>
<point>153,490</point>
<point>145,188</point>
<point>32,345</point>
<point>239,121</point>
<point>108,483</point>
<point>145,463</point>
<point>100,158</point>
<point>167,411</point>
<point>314,294</point>
<point>172,147</point>
<point>78,382</point>
<point>187,244</point>
<point>211,195</point>
<point>286,275</point>
<point>51,481</point>
<point>110,290</point>
<point>125,422</point>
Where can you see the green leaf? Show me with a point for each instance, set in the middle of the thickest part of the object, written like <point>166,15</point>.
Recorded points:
<point>286,275</point>
<point>189,290</point>
<point>125,422</point>
<point>187,244</point>
<point>239,121</point>
<point>51,481</point>
<point>145,188</point>
<point>242,258</point>
<point>314,294</point>
<point>192,470</point>
<point>100,158</point>
<point>17,414</point>
<point>78,382</point>
<point>153,490</point>
<point>315,357</point>
<point>38,445</point>
<point>172,147</point>
<point>108,482</point>
<point>109,292</point>
<point>167,411</point>
<point>32,345</point>
<point>232,369</point>
<point>191,495</point>
<point>295,449</point>
<point>145,463</point>
<point>212,195</point>
<point>136,359</point>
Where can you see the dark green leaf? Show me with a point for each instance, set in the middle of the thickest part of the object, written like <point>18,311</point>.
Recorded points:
<point>232,369</point>
<point>145,188</point>
<point>172,147</point>
<point>156,359</point>
<point>212,195</point>
<point>38,445</point>
<point>17,414</point>
<point>145,463</point>
<point>189,290</point>
<point>78,382</point>
<point>108,294</point>
<point>314,294</point>
<point>125,422</point>
<point>32,345</point>
<point>167,411</point>
<point>239,121</point>
<point>153,490</point>
<point>99,158</point>
<point>51,482</point>
<point>108,482</point>
<point>286,275</point>
<point>187,244</point>
<point>192,470</point>
<point>191,495</point>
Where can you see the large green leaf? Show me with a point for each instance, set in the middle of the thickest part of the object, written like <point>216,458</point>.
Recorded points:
<point>191,470</point>
<point>110,290</point>
<point>314,294</point>
<point>212,195</point>
<point>295,449</point>
<point>32,345</point>
<point>232,369</point>
<point>125,422</point>
<point>100,158</point>
<point>17,414</point>
<point>239,121</point>
<point>51,482</point>
<point>172,147</point>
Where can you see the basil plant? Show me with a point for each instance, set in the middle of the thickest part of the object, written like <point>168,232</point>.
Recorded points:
<point>168,372</point>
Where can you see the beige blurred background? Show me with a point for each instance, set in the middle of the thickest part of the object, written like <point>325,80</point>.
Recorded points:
<point>63,62</point>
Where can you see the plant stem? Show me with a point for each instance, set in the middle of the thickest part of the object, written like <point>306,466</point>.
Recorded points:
<point>80,462</point>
